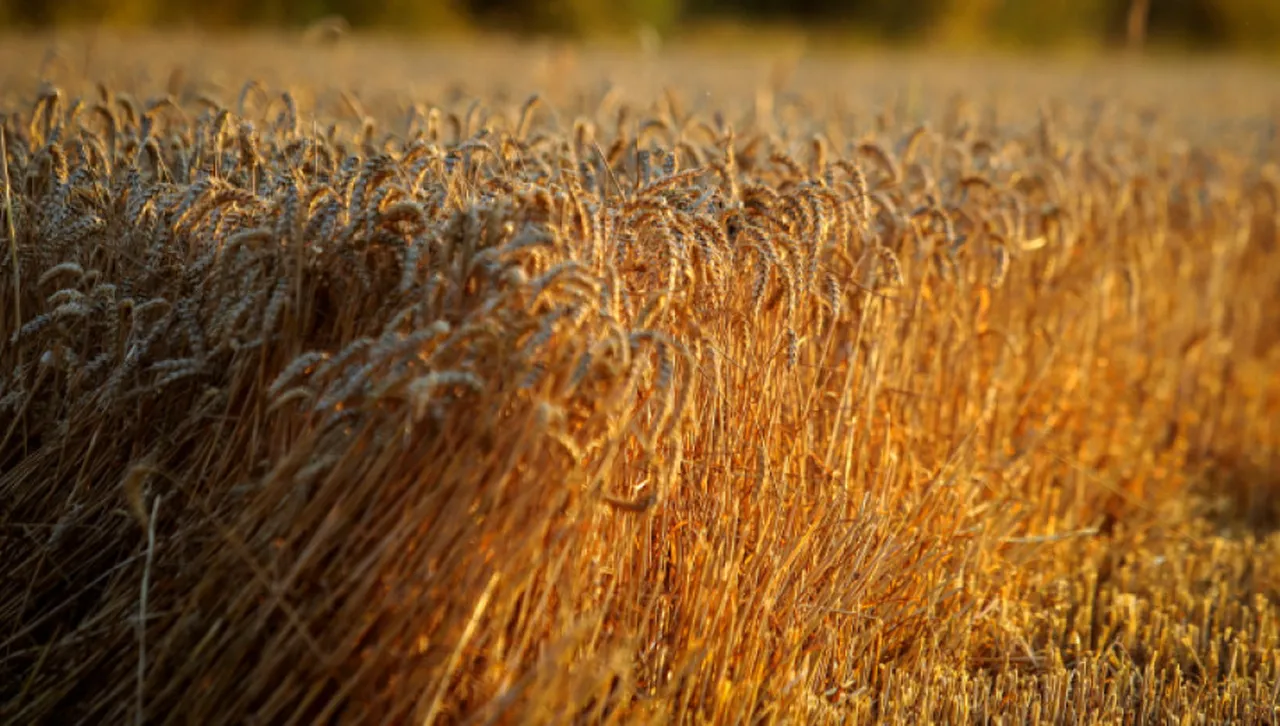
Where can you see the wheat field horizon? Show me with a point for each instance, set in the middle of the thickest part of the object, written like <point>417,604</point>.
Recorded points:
<point>376,382</point>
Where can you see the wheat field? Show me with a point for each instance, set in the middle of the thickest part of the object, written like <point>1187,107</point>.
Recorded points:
<point>414,383</point>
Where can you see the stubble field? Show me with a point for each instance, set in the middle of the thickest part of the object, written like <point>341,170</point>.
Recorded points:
<point>392,383</point>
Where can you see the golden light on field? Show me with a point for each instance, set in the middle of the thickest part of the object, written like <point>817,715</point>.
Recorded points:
<point>370,383</point>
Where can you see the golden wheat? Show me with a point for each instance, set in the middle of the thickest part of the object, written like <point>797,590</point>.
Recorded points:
<point>595,408</point>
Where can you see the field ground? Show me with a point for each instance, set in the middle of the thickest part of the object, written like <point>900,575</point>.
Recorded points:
<point>699,388</point>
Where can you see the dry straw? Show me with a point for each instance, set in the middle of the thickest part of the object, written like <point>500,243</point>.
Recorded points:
<point>596,411</point>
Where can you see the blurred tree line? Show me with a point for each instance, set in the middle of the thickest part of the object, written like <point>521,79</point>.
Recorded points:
<point>1197,23</point>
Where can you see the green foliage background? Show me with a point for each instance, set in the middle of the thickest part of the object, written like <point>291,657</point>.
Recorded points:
<point>1221,24</point>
